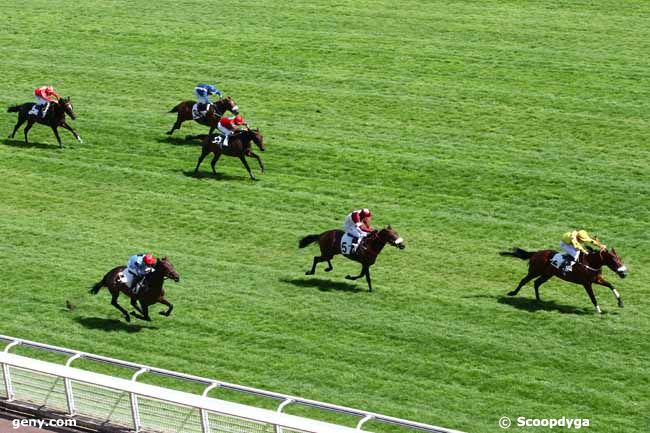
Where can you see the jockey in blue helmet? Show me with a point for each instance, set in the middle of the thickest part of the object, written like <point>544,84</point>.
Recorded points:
<point>203,91</point>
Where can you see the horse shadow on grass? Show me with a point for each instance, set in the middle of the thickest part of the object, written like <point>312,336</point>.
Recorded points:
<point>111,325</point>
<point>210,175</point>
<point>532,305</point>
<point>178,141</point>
<point>32,144</point>
<point>323,285</point>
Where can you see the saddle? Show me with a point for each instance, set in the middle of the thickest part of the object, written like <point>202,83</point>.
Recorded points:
<point>200,110</point>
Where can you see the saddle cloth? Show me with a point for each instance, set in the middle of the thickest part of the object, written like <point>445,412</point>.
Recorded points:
<point>126,277</point>
<point>558,260</point>
<point>196,114</point>
<point>347,244</point>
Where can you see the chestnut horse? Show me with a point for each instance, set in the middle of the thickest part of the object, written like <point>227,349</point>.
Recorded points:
<point>54,118</point>
<point>586,272</point>
<point>239,145</point>
<point>366,253</point>
<point>151,293</point>
<point>211,118</point>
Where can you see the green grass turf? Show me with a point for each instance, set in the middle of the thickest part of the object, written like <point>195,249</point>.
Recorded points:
<point>470,127</point>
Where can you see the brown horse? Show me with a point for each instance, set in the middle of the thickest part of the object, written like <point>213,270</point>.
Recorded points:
<point>54,118</point>
<point>211,119</point>
<point>586,272</point>
<point>239,145</point>
<point>366,253</point>
<point>151,293</point>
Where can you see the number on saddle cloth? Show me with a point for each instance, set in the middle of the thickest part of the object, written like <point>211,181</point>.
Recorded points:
<point>349,244</point>
<point>218,140</point>
<point>126,278</point>
<point>196,113</point>
<point>560,259</point>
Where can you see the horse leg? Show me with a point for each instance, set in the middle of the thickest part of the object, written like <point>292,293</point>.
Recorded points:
<point>21,120</point>
<point>145,311</point>
<point>521,284</point>
<point>329,266</point>
<point>56,134</point>
<point>69,128</point>
<point>538,282</point>
<point>259,160</point>
<point>363,272</point>
<point>134,304</point>
<point>368,278</point>
<point>119,307</point>
<point>317,260</point>
<point>213,163</point>
<point>590,292</point>
<point>164,301</point>
<point>243,161</point>
<point>30,123</point>
<point>204,153</point>
<point>601,281</point>
<point>177,125</point>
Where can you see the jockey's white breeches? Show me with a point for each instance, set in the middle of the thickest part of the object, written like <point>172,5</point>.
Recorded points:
<point>225,131</point>
<point>570,249</point>
<point>352,229</point>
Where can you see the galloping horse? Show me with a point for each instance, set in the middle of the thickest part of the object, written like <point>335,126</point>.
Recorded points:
<point>151,293</point>
<point>586,272</point>
<point>54,118</point>
<point>211,119</point>
<point>366,253</point>
<point>239,145</point>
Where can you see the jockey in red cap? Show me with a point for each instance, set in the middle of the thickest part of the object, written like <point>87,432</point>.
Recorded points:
<point>140,265</point>
<point>44,95</point>
<point>229,125</point>
<point>357,225</point>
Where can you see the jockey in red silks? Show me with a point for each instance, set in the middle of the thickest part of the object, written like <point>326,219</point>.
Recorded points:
<point>229,125</point>
<point>44,95</point>
<point>357,225</point>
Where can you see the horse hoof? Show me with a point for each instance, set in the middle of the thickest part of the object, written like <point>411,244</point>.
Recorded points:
<point>309,273</point>
<point>328,269</point>
<point>349,277</point>
<point>513,293</point>
<point>620,303</point>
<point>127,318</point>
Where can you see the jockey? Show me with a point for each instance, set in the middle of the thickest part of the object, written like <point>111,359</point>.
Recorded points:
<point>230,125</point>
<point>44,95</point>
<point>572,243</point>
<point>140,265</point>
<point>357,225</point>
<point>203,91</point>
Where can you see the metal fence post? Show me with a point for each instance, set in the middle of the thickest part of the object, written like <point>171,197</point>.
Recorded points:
<point>68,386</point>
<point>9,388</point>
<point>205,421</point>
<point>285,403</point>
<point>365,420</point>
<point>135,409</point>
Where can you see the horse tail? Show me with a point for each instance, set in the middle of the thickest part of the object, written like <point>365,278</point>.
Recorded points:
<point>175,109</point>
<point>95,288</point>
<point>13,109</point>
<point>308,240</point>
<point>517,252</point>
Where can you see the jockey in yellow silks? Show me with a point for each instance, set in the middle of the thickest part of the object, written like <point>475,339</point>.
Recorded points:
<point>572,244</point>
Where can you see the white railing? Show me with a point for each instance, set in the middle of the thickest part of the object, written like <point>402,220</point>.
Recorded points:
<point>141,406</point>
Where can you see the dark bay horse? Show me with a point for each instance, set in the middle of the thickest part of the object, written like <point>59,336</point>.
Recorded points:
<point>54,118</point>
<point>239,145</point>
<point>586,273</point>
<point>151,293</point>
<point>211,119</point>
<point>366,253</point>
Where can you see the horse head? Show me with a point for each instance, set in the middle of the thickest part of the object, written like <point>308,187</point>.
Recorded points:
<point>229,104</point>
<point>67,107</point>
<point>257,138</point>
<point>390,236</point>
<point>614,262</point>
<point>165,267</point>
